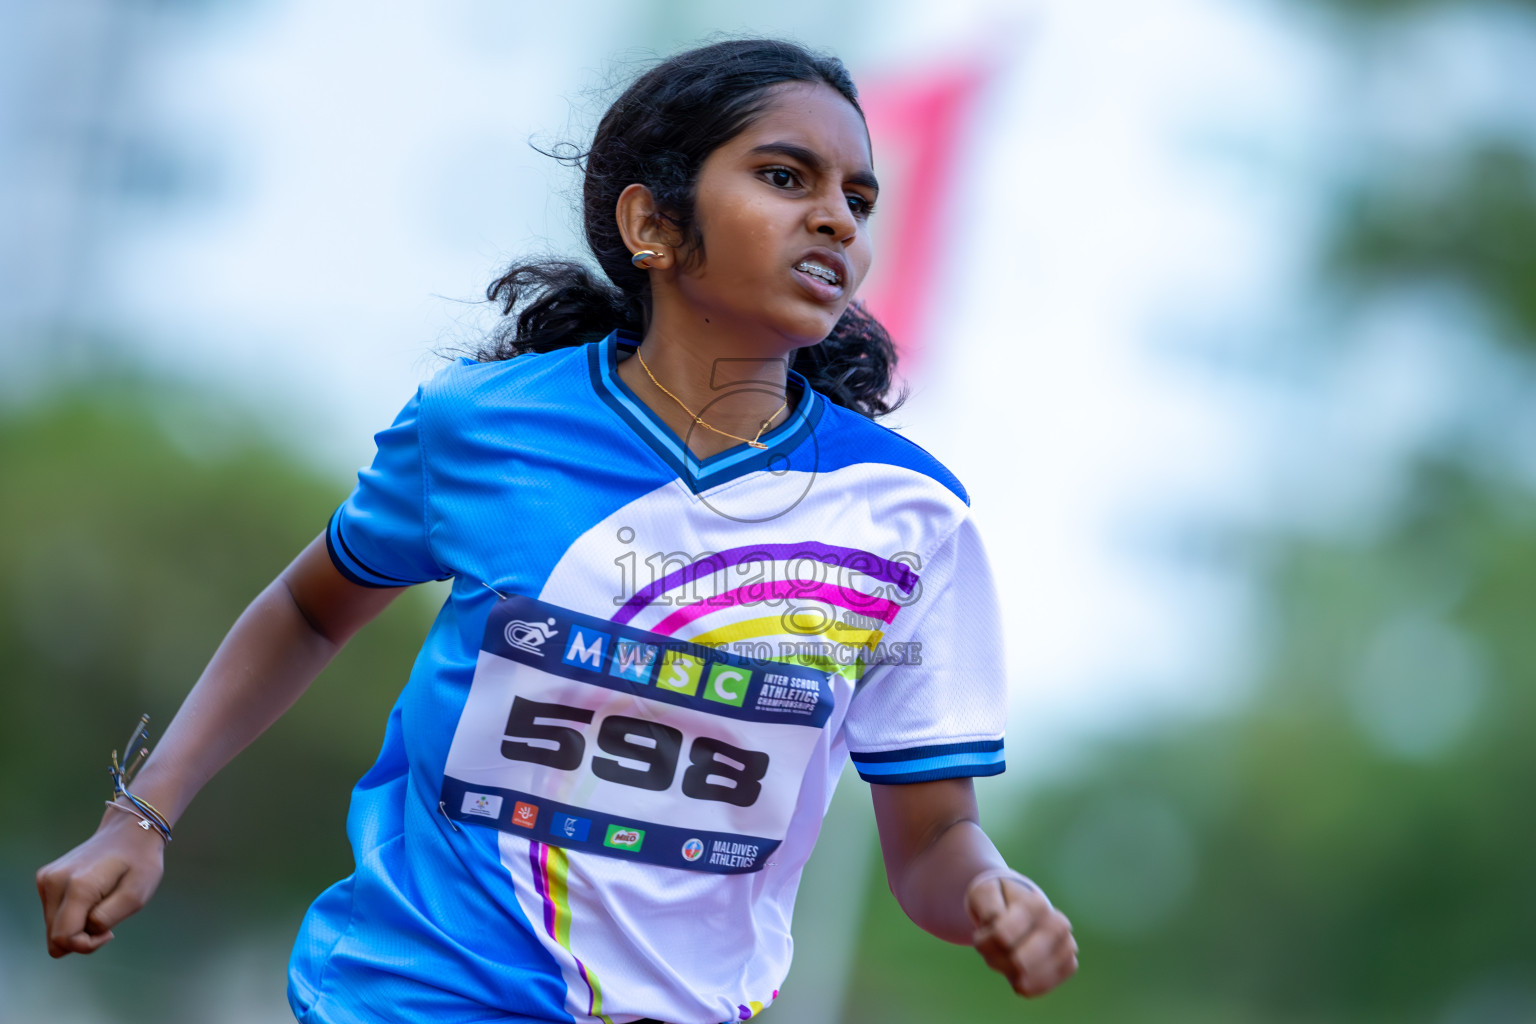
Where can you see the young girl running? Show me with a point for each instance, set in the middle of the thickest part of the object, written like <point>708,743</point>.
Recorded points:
<point>690,577</point>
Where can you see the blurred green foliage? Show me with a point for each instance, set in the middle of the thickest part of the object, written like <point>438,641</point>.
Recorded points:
<point>1371,10</point>
<point>1470,221</point>
<point>136,522</point>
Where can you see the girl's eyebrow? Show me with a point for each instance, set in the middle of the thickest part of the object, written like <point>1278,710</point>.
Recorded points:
<point>813,160</point>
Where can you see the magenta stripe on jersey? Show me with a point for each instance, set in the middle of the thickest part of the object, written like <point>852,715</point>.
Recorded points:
<point>864,562</point>
<point>752,593</point>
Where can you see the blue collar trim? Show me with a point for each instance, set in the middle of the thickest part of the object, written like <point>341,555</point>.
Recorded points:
<point>698,474</point>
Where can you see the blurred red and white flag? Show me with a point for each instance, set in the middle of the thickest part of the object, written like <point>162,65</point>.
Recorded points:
<point>918,123</point>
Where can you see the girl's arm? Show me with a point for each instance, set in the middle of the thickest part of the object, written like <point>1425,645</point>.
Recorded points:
<point>951,881</point>
<point>272,653</point>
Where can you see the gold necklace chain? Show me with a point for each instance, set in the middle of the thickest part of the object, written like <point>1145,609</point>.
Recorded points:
<point>751,441</point>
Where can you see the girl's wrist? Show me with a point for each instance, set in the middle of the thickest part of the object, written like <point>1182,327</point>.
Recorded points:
<point>146,817</point>
<point>123,826</point>
<point>991,874</point>
<point>159,790</point>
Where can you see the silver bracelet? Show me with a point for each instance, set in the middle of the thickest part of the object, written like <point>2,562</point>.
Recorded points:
<point>1017,876</point>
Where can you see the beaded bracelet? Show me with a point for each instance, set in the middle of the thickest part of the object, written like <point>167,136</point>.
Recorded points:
<point>134,753</point>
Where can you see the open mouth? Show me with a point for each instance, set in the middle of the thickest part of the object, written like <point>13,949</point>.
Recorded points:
<point>818,270</point>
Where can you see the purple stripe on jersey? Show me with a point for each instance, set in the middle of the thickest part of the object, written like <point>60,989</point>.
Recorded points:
<point>869,564</point>
<point>591,989</point>
<point>538,854</point>
<point>853,600</point>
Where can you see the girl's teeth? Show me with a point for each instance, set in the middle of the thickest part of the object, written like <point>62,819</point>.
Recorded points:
<point>818,271</point>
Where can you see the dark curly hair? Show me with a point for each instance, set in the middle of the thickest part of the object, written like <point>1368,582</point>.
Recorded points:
<point>658,133</point>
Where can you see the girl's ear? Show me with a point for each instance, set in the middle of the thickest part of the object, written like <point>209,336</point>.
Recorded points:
<point>645,228</point>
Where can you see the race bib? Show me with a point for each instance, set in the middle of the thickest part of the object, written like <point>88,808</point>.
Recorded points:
<point>598,737</point>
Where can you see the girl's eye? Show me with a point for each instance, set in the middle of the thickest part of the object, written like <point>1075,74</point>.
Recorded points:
<point>860,206</point>
<point>782,177</point>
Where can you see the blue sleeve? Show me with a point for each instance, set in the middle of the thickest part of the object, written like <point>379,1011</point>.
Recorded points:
<point>379,535</point>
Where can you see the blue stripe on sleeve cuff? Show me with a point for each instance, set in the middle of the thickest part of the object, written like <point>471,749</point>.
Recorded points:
<point>349,565</point>
<point>938,761</point>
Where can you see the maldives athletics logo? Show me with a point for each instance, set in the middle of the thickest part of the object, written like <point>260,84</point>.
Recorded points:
<point>693,849</point>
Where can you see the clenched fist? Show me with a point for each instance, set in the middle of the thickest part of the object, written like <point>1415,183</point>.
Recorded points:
<point>1020,935</point>
<point>93,887</point>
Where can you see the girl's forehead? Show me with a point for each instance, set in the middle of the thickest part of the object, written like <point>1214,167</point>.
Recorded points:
<point>812,114</point>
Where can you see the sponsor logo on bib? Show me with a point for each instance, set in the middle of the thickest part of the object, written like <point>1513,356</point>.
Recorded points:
<point>693,849</point>
<point>530,636</point>
<point>621,837</point>
<point>570,827</point>
<point>482,805</point>
<point>525,814</point>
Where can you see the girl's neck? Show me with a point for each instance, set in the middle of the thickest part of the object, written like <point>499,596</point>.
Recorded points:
<point>732,387</point>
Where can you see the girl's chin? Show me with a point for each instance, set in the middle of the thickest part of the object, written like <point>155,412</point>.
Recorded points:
<point>803,323</point>
<point>811,325</point>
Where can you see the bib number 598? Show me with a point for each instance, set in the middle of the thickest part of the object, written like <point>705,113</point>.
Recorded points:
<point>655,746</point>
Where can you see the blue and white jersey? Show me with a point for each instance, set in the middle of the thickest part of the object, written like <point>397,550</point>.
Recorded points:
<point>600,785</point>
